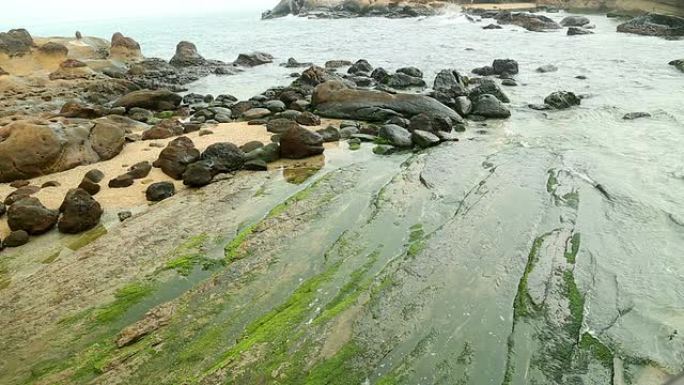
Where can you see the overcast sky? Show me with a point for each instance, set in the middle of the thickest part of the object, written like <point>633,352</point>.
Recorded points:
<point>20,12</point>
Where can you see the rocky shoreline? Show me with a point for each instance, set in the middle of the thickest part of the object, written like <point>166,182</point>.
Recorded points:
<point>93,99</point>
<point>100,145</point>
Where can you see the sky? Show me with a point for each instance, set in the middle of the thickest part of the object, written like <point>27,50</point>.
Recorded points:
<point>19,12</point>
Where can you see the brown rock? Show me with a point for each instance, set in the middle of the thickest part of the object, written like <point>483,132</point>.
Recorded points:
<point>20,194</point>
<point>107,140</point>
<point>121,181</point>
<point>124,47</point>
<point>90,186</point>
<point>80,212</point>
<point>16,239</point>
<point>175,158</point>
<point>20,183</point>
<point>31,216</point>
<point>140,170</point>
<point>167,128</point>
<point>160,100</point>
<point>187,56</point>
<point>298,142</point>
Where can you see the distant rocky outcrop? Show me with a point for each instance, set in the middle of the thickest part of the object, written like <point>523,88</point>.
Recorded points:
<point>529,21</point>
<point>354,8</point>
<point>654,24</point>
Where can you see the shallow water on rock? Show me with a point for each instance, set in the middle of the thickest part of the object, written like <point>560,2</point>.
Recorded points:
<point>494,260</point>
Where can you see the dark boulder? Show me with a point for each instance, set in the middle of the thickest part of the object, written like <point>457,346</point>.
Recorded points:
<point>492,26</point>
<point>160,100</point>
<point>484,71</point>
<point>88,185</point>
<point>253,59</point>
<point>562,100</point>
<point>654,24</point>
<point>489,86</point>
<point>121,181</point>
<point>223,157</point>
<point>547,68</point>
<point>529,21</point>
<point>411,71</point>
<point>140,170</point>
<point>574,31</point>
<point>16,239</point>
<point>308,119</point>
<point>198,174</point>
<point>293,63</point>
<point>451,82</point>
<point>502,66</point>
<point>574,21</point>
<point>678,64</point>
<point>159,191</point>
<point>95,175</point>
<point>379,74</point>
<point>80,212</point>
<point>165,129</point>
<point>31,216</point>
<point>3,209</point>
<point>402,81</point>
<point>251,146</point>
<point>298,143</point>
<point>256,165</point>
<point>360,67</point>
<point>20,193</point>
<point>395,135</point>
<point>424,139</point>
<point>279,126</point>
<point>329,134</point>
<point>178,154</point>
<point>430,123</point>
<point>490,107</point>
<point>636,115</point>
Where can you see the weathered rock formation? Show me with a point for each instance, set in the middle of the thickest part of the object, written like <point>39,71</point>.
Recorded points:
<point>33,148</point>
<point>334,99</point>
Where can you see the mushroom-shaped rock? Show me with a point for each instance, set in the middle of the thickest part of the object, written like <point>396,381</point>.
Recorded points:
<point>124,47</point>
<point>187,56</point>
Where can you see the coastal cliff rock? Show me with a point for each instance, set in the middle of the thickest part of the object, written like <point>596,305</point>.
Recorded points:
<point>33,148</point>
<point>333,99</point>
<point>354,8</point>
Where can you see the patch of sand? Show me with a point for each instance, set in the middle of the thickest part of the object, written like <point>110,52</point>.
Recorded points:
<point>114,200</point>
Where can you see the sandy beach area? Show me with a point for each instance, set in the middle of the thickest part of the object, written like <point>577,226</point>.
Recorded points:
<point>114,200</point>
